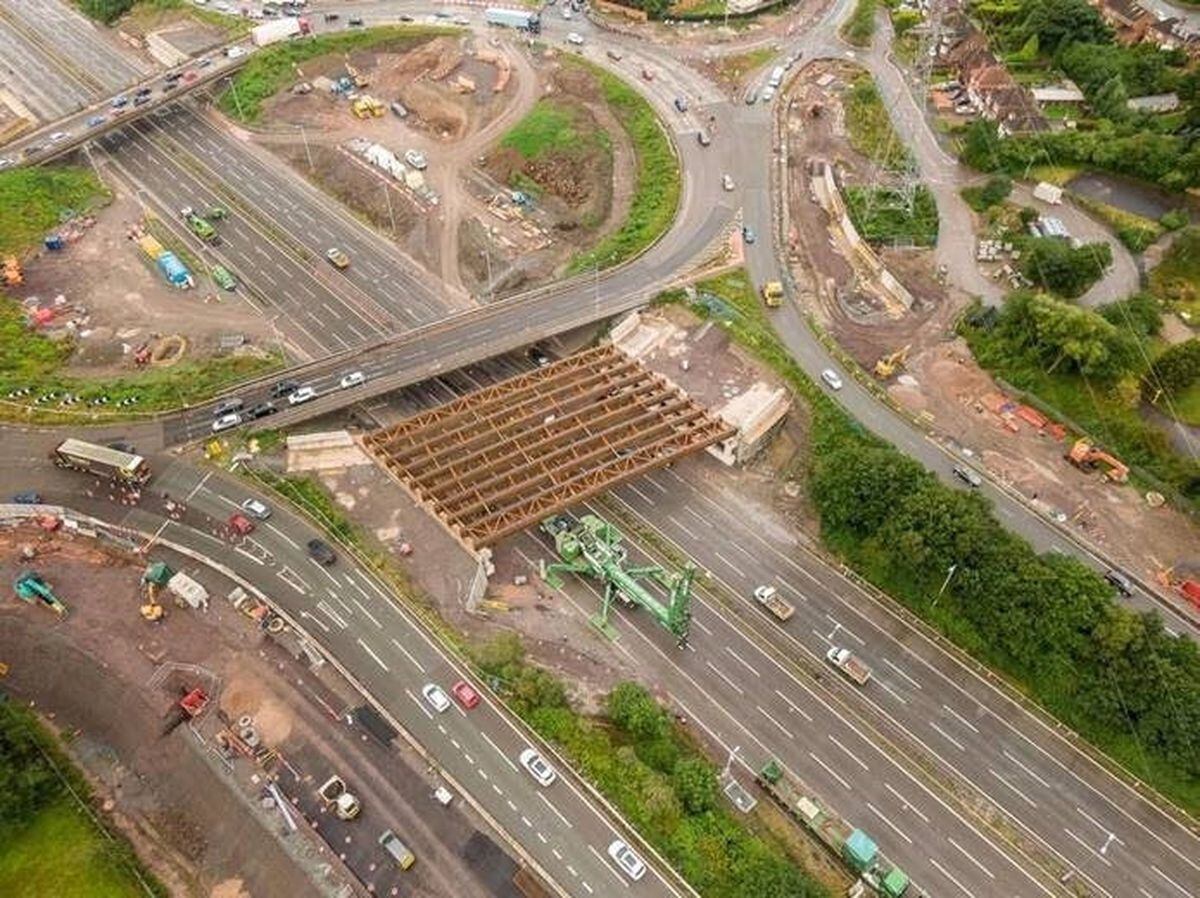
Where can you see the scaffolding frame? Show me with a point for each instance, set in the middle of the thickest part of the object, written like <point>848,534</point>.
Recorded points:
<point>501,458</point>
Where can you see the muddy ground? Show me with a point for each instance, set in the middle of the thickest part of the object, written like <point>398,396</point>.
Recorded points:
<point>465,227</point>
<point>114,299</point>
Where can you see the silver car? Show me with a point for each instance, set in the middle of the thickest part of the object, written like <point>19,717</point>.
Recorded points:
<point>831,377</point>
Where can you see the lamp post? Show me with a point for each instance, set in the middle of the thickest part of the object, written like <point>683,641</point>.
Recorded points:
<point>945,583</point>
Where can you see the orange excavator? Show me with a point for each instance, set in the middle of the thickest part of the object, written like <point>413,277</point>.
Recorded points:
<point>12,275</point>
<point>1086,457</point>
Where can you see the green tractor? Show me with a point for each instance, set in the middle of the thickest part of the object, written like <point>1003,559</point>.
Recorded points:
<point>201,227</point>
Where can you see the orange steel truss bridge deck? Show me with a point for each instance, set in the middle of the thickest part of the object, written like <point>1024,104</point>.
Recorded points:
<point>502,458</point>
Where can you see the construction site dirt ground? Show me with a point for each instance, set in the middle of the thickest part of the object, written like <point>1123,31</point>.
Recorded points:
<point>200,828</point>
<point>941,381</point>
<point>120,299</point>
<point>474,237</point>
<point>944,383</point>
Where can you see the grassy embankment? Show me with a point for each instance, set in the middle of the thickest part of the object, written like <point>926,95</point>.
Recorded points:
<point>860,27</point>
<point>32,203</point>
<point>869,126</point>
<point>272,69</point>
<point>49,844</point>
<point>882,216</point>
<point>895,524</point>
<point>555,129</point>
<point>656,181</point>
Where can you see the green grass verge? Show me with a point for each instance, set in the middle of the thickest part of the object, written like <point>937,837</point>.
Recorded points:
<point>1135,231</point>
<point>656,182</point>
<point>860,27</point>
<point>49,845</point>
<point>270,70</point>
<point>1186,405</point>
<point>734,67</point>
<point>869,126</point>
<point>1176,280</point>
<point>550,126</point>
<point>1058,175</point>
<point>835,435</point>
<point>30,359</point>
<point>60,853</point>
<point>883,217</point>
<point>34,200</point>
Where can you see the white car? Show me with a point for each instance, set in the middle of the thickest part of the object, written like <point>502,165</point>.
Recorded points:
<point>235,52</point>
<point>576,39</point>
<point>566,13</point>
<point>353,379</point>
<point>831,377</point>
<point>436,696</point>
<point>537,767</point>
<point>727,181</point>
<point>625,858</point>
<point>256,509</point>
<point>304,394</point>
<point>768,94</point>
<point>416,159</point>
<point>225,422</point>
<point>59,136</point>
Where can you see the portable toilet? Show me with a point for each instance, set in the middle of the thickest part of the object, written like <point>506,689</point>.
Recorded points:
<point>159,573</point>
<point>54,241</point>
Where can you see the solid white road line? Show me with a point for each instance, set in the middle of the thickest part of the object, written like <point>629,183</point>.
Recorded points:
<point>946,873</point>
<point>557,813</point>
<point>368,650</point>
<point>897,830</point>
<point>971,858</point>
<point>793,706</point>
<point>947,736</point>
<point>1029,801</point>
<point>409,655</point>
<point>829,770</point>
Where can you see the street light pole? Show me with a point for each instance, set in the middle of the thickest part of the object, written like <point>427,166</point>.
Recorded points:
<point>945,583</point>
<point>729,761</point>
<point>387,195</point>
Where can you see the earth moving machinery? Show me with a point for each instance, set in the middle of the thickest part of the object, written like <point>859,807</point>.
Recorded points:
<point>844,660</point>
<point>190,706</point>
<point>359,79</point>
<point>199,226</point>
<point>769,598</point>
<point>590,546</point>
<point>103,461</point>
<point>339,799</point>
<point>12,275</point>
<point>365,106</point>
<point>852,846</point>
<point>772,294</point>
<point>887,365</point>
<point>1087,457</point>
<point>168,263</point>
<point>31,587</point>
<point>513,18</point>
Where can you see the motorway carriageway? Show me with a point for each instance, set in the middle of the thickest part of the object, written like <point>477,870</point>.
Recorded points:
<point>275,219</point>
<point>745,681</point>
<point>382,648</point>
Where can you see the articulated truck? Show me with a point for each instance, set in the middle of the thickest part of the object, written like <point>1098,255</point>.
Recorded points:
<point>513,18</point>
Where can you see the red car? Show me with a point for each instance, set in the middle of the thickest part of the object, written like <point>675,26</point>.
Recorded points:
<point>466,694</point>
<point>240,524</point>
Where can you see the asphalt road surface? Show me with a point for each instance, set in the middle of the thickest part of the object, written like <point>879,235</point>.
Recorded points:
<point>55,60</point>
<point>379,645</point>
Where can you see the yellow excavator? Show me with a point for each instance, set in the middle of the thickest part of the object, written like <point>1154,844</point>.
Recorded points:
<point>887,365</point>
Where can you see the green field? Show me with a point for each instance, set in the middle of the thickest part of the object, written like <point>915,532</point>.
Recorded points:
<point>860,27</point>
<point>657,181</point>
<point>549,127</point>
<point>34,200</point>
<point>61,854</point>
<point>882,216</point>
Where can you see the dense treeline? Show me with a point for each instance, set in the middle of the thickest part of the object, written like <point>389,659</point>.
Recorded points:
<point>106,11</point>
<point>636,756</point>
<point>27,781</point>
<point>1047,621</point>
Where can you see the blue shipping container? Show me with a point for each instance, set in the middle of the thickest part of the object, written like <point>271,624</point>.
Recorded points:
<point>174,270</point>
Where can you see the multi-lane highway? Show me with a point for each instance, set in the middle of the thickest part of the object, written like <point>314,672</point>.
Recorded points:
<point>941,767</point>
<point>381,647</point>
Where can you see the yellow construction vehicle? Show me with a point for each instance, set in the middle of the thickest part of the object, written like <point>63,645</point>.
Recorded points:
<point>12,275</point>
<point>887,365</point>
<point>359,79</point>
<point>772,294</point>
<point>366,107</point>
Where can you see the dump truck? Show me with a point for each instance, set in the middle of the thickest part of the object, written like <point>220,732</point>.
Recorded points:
<point>103,461</point>
<point>279,30</point>
<point>844,660</point>
<point>772,294</point>
<point>852,846</point>
<point>338,798</point>
<point>513,18</point>
<point>769,598</point>
<point>199,226</point>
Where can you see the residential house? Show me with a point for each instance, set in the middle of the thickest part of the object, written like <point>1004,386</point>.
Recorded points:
<point>990,87</point>
<point>1129,21</point>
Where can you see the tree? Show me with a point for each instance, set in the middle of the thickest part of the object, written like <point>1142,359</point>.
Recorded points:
<point>1176,369</point>
<point>1054,264</point>
<point>1056,23</point>
<point>1140,314</point>
<point>1110,98</point>
<point>634,710</point>
<point>27,782</point>
<point>105,10</point>
<point>696,785</point>
<point>859,486</point>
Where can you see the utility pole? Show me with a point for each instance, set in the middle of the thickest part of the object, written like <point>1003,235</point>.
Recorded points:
<point>945,583</point>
